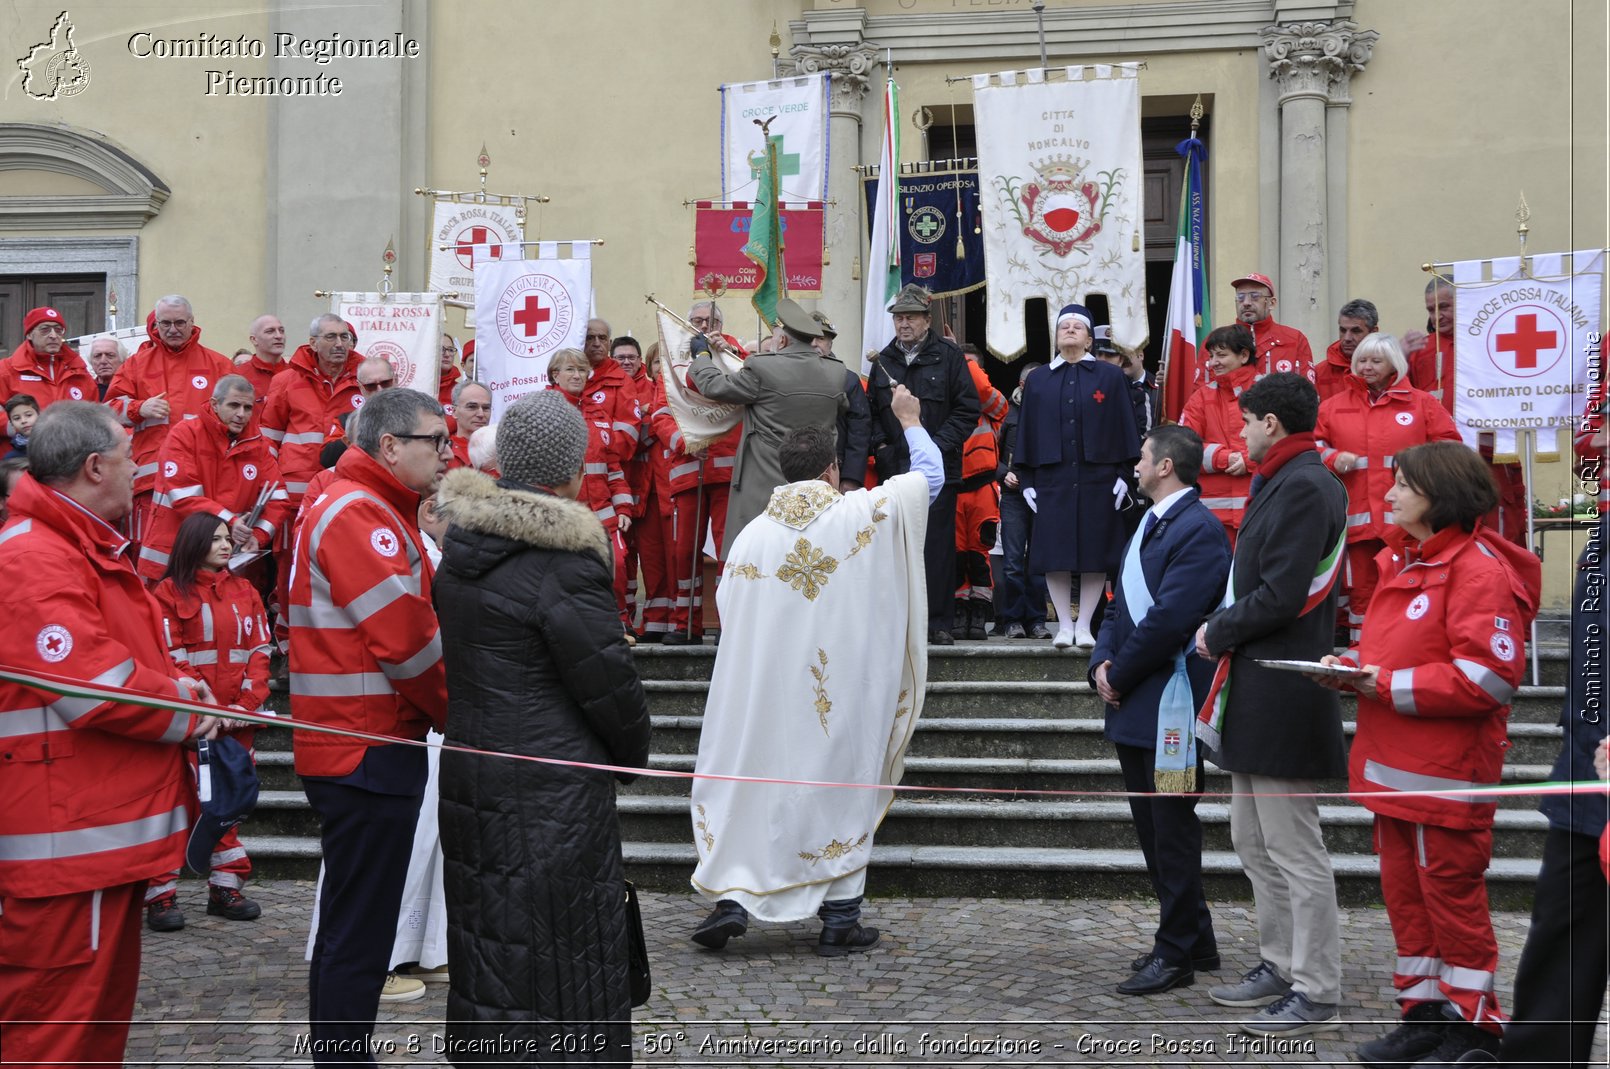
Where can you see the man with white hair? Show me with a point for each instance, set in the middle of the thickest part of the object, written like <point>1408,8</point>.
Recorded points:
<point>168,379</point>
<point>106,355</point>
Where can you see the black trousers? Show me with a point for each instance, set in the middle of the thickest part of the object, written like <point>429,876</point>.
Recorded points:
<point>1171,839</point>
<point>1560,982</point>
<point>939,559</point>
<point>367,840</point>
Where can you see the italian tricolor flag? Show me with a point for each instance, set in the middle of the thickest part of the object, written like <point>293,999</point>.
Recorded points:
<point>883,259</point>
<point>1189,315</point>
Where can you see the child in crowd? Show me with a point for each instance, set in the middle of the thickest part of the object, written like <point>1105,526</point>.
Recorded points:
<point>216,630</point>
<point>21,411</point>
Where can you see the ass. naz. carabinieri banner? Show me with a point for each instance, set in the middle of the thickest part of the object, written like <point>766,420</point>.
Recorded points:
<point>1521,342</point>
<point>1059,167</point>
<point>405,328</point>
<point>461,223</point>
<point>797,108</point>
<point>525,311</point>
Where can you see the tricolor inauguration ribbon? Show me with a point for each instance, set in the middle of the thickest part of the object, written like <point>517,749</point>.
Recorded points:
<point>76,688</point>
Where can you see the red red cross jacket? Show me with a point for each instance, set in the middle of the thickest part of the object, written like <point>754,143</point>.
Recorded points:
<point>1447,625</point>
<point>602,483</point>
<point>366,652</point>
<point>609,404</point>
<point>201,470</point>
<point>1375,430</point>
<point>1214,411</point>
<point>219,632</point>
<point>303,411</point>
<point>1282,348</point>
<point>261,375</point>
<point>94,793</point>
<point>184,377</point>
<point>62,379</point>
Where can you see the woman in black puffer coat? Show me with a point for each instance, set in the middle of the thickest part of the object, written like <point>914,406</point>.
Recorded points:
<point>536,664</point>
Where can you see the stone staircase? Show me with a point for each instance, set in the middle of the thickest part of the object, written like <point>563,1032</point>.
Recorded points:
<point>1007,717</point>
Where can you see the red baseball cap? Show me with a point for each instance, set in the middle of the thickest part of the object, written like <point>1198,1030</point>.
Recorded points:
<point>1262,280</point>
<point>41,315</point>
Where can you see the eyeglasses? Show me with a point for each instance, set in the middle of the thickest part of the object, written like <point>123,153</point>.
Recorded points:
<point>378,384</point>
<point>335,337</point>
<point>438,441</point>
<point>172,324</point>
<point>703,321</point>
<point>448,350</point>
<point>51,328</point>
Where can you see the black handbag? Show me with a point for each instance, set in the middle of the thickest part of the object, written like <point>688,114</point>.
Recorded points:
<point>638,978</point>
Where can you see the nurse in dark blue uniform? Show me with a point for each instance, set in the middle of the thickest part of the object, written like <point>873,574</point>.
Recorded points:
<point>1076,440</point>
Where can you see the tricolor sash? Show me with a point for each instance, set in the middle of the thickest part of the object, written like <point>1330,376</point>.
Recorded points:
<point>1175,771</point>
<point>1210,719</point>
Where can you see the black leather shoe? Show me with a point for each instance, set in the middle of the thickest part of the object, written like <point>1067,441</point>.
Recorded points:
<point>1158,975</point>
<point>681,638</point>
<point>837,942</point>
<point>727,921</point>
<point>940,638</point>
<point>1206,963</point>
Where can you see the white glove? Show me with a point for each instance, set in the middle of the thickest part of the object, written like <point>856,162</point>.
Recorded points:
<point>1028,499</point>
<point>1120,494</point>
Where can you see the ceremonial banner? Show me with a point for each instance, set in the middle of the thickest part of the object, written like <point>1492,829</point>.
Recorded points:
<point>131,337</point>
<point>798,109</point>
<point>465,224</point>
<point>883,253</point>
<point>1519,344</point>
<point>719,235</point>
<point>938,246</point>
<point>765,245</point>
<point>1189,312</point>
<point>700,419</point>
<point>526,310</point>
<point>1060,169</point>
<point>404,328</point>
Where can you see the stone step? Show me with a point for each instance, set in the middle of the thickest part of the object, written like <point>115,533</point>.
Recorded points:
<point>984,871</point>
<point>1061,825</point>
<point>993,659</point>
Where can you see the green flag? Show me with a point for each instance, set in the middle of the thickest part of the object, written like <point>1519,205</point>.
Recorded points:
<point>765,245</point>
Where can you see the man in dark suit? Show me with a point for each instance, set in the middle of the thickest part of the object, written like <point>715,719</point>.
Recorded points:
<point>1281,732</point>
<point>1172,575</point>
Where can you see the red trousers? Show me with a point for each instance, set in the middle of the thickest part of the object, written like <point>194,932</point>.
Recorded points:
<point>1360,580</point>
<point>653,533</point>
<point>1433,881</point>
<point>66,960</point>
<point>684,552</point>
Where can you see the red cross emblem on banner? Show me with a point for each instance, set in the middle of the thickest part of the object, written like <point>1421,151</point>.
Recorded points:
<point>472,236</point>
<point>1527,341</point>
<point>531,315</point>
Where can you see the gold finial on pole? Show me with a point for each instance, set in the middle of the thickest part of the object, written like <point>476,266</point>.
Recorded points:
<point>389,259</point>
<point>1197,112</point>
<point>1522,215</point>
<point>111,308</point>
<point>483,161</point>
<point>776,42</point>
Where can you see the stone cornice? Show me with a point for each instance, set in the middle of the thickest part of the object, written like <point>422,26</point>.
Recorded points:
<point>1317,59</point>
<point>133,195</point>
<point>851,66</point>
<point>1070,32</point>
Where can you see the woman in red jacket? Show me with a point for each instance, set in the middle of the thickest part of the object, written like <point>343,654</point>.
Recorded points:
<point>1374,416</point>
<point>1214,412</point>
<point>215,629</point>
<point>603,480</point>
<point>1441,654</point>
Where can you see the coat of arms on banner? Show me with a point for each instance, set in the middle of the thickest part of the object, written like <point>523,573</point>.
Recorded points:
<point>535,315</point>
<point>1059,166</point>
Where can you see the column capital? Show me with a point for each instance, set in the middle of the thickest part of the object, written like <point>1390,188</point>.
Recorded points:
<point>850,64</point>
<point>1317,59</point>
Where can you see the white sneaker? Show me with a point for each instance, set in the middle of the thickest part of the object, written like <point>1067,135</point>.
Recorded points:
<point>401,989</point>
<point>1084,640</point>
<point>1064,638</point>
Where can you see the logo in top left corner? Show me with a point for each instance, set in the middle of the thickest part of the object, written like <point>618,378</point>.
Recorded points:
<point>54,69</point>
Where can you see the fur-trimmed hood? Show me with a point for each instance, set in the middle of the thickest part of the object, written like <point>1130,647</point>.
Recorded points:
<point>476,503</point>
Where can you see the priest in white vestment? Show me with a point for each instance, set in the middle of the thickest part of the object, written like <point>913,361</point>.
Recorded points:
<point>819,677</point>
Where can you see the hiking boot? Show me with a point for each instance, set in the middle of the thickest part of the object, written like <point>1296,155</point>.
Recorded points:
<point>838,942</point>
<point>163,914</point>
<point>1293,1015</point>
<point>401,988</point>
<point>727,921</point>
<point>1261,985</point>
<point>1418,1035</point>
<point>230,903</point>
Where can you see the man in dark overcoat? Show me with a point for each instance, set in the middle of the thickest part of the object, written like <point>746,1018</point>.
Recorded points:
<point>1281,732</point>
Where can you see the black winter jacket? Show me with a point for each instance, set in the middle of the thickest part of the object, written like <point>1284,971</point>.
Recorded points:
<point>536,664</point>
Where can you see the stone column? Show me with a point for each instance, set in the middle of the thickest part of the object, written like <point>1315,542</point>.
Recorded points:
<point>851,64</point>
<point>1360,45</point>
<point>1306,59</point>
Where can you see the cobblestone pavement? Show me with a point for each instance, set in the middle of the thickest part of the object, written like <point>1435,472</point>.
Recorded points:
<point>951,977</point>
